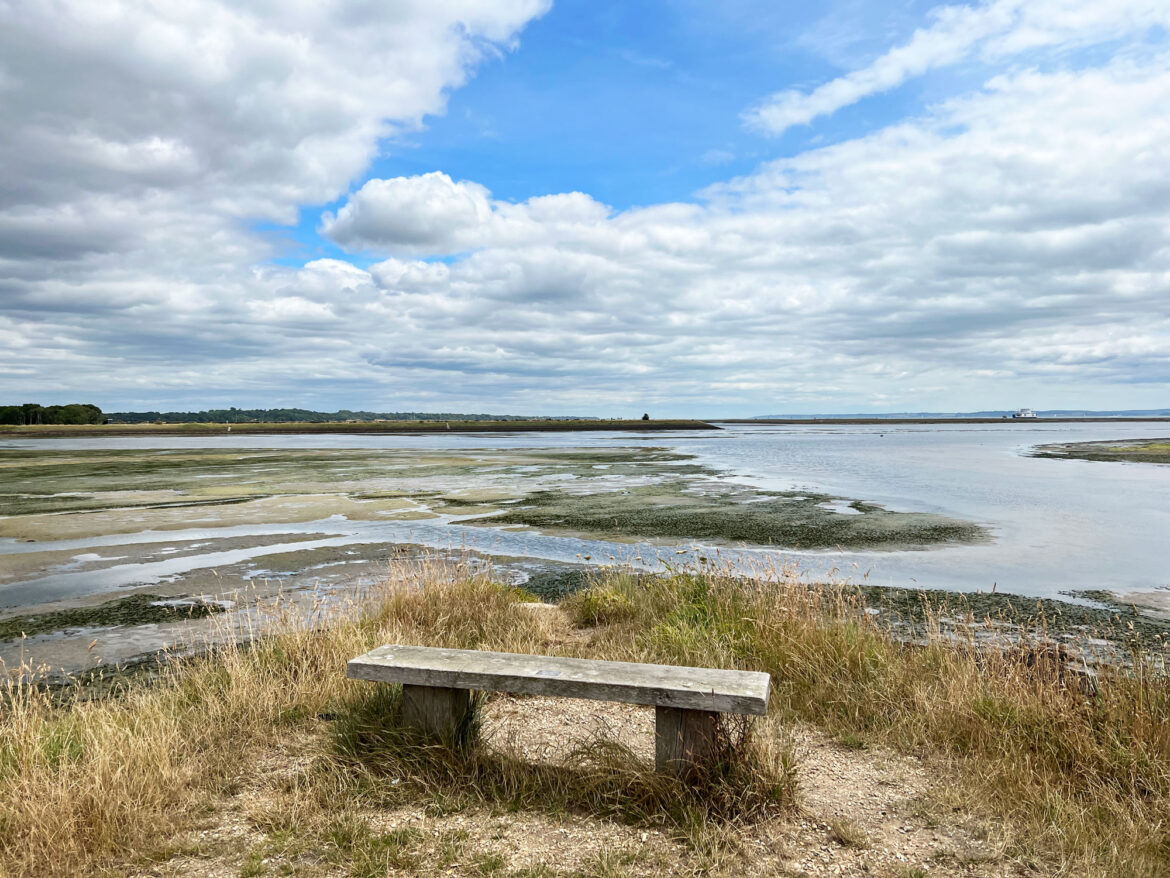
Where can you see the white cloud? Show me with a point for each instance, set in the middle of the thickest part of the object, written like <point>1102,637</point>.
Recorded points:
<point>432,214</point>
<point>993,30</point>
<point>229,111</point>
<point>141,139</point>
<point>428,213</point>
<point>287,310</point>
<point>971,248</point>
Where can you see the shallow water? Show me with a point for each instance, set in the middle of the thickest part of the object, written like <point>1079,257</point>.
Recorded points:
<point>1056,525</point>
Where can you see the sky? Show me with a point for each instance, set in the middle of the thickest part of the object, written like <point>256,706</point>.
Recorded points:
<point>585,207</point>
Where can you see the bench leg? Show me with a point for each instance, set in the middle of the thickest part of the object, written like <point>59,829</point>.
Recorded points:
<point>435,712</point>
<point>684,739</point>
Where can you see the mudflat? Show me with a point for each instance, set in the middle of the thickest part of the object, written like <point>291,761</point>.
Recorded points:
<point>81,527</point>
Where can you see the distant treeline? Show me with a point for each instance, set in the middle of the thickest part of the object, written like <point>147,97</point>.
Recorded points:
<point>32,413</point>
<point>285,416</point>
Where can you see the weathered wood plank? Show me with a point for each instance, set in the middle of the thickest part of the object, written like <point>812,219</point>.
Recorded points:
<point>435,712</point>
<point>684,739</point>
<point>685,688</point>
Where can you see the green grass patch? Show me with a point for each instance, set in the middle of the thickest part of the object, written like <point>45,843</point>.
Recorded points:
<point>599,605</point>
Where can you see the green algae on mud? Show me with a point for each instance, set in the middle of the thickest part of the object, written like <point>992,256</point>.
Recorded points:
<point>52,481</point>
<point>675,510</point>
<point>135,609</point>
<point>1116,451</point>
<point>616,493</point>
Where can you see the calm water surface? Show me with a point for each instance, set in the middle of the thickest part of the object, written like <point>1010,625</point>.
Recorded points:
<point>1056,525</point>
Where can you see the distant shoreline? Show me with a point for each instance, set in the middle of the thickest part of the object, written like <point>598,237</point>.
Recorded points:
<point>82,431</point>
<point>414,427</point>
<point>863,421</point>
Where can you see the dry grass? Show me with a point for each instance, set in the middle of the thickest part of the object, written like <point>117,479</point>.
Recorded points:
<point>1081,779</point>
<point>598,605</point>
<point>848,833</point>
<point>1081,773</point>
<point>109,781</point>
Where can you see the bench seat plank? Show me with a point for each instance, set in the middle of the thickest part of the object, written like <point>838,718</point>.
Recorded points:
<point>685,688</point>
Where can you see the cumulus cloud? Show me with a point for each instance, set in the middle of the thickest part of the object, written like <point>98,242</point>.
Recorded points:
<point>432,214</point>
<point>128,120</point>
<point>142,140</point>
<point>969,244</point>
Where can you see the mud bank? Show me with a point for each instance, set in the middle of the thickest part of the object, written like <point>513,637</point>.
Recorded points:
<point>1117,451</point>
<point>723,514</point>
<point>74,519</point>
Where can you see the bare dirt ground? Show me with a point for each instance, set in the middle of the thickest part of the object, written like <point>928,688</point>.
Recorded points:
<point>864,812</point>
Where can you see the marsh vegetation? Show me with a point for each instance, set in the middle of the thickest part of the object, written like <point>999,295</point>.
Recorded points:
<point>1151,451</point>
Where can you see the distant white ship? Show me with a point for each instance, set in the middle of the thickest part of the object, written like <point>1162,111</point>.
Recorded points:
<point>1023,413</point>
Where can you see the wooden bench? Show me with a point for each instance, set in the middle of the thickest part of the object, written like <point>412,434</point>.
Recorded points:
<point>436,686</point>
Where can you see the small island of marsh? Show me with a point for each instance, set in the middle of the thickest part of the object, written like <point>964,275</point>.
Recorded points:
<point>1115,451</point>
<point>677,509</point>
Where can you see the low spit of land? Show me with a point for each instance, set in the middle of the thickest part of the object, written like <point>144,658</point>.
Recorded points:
<point>1124,450</point>
<point>882,757</point>
<point>941,420</point>
<point>549,425</point>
